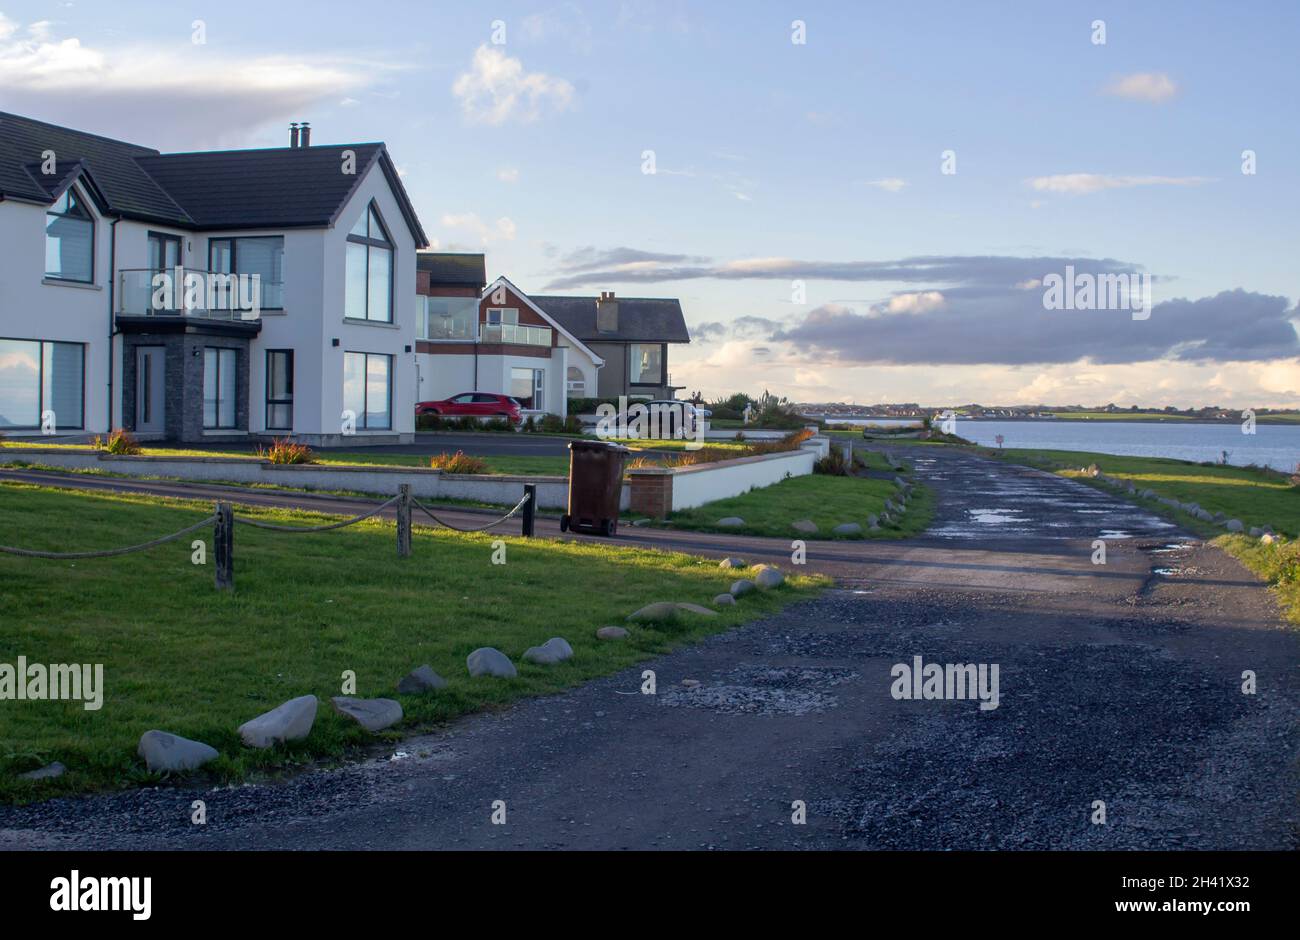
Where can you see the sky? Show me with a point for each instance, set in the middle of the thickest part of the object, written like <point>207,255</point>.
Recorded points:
<point>856,202</point>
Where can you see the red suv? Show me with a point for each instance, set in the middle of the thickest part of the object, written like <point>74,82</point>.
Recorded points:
<point>473,405</point>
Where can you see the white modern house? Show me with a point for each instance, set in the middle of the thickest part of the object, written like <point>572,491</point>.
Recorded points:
<point>203,297</point>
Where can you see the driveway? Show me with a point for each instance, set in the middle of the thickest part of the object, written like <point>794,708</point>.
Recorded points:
<point>1118,683</point>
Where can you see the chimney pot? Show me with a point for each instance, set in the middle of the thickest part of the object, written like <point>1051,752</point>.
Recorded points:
<point>305,140</point>
<point>293,134</point>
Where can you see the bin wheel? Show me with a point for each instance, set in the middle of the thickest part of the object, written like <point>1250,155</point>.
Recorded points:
<point>606,528</point>
<point>564,522</point>
<point>613,527</point>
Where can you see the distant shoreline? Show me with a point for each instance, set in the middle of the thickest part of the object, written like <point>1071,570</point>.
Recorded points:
<point>1263,419</point>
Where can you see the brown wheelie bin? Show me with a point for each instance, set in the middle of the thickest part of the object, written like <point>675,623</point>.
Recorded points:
<point>595,484</point>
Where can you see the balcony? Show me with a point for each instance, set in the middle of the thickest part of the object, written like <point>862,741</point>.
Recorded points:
<point>189,292</point>
<point>516,333</point>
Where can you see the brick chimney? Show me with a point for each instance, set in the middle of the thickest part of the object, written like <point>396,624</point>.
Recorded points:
<point>607,313</point>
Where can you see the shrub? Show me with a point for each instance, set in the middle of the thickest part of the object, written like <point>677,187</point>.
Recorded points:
<point>463,424</point>
<point>833,464</point>
<point>430,422</point>
<point>553,424</point>
<point>529,424</point>
<point>572,425</point>
<point>120,441</point>
<point>285,451</point>
<point>498,424</point>
<point>459,462</point>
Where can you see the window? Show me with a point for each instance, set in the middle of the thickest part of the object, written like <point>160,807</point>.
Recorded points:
<point>164,251</point>
<point>527,386</point>
<point>577,382</point>
<point>368,389</point>
<point>647,365</point>
<point>369,270</point>
<point>448,318</point>
<point>69,240</point>
<point>36,377</point>
<point>279,389</point>
<point>260,255</point>
<point>219,387</point>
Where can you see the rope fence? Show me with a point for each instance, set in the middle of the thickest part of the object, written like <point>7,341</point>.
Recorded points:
<point>223,521</point>
<point>478,528</point>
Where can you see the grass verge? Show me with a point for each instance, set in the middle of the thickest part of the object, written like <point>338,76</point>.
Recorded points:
<point>826,500</point>
<point>181,657</point>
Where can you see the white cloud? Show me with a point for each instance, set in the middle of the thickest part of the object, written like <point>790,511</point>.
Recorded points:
<point>1082,183</point>
<point>890,184</point>
<point>508,174</point>
<point>496,89</point>
<point>180,98</point>
<point>1153,87</point>
<point>504,229</point>
<point>916,302</point>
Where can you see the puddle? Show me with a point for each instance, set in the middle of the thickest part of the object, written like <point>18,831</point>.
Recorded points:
<point>994,516</point>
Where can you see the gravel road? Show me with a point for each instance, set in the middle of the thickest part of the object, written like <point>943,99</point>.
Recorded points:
<point>1118,683</point>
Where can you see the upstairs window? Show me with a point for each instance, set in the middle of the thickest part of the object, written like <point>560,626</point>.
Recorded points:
<point>262,255</point>
<point>369,289</point>
<point>69,240</point>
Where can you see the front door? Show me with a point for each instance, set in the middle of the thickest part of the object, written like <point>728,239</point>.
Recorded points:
<point>149,390</point>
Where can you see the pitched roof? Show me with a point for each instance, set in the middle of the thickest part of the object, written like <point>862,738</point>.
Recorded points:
<point>563,330</point>
<point>640,319</point>
<point>279,187</point>
<point>453,268</point>
<point>128,189</point>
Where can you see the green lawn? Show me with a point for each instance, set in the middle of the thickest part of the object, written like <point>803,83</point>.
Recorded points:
<point>181,657</point>
<point>1257,497</point>
<point>826,500</point>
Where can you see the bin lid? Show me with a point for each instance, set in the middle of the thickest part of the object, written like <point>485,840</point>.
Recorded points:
<point>598,445</point>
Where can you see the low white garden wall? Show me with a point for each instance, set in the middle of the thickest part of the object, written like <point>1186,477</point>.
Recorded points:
<point>704,483</point>
<point>426,483</point>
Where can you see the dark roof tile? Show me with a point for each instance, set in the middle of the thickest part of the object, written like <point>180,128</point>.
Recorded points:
<point>640,319</point>
<point>453,268</point>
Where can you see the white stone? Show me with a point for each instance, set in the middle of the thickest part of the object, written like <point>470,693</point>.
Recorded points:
<point>724,600</point>
<point>165,753</point>
<point>373,714</point>
<point>555,650</point>
<point>847,528</point>
<point>743,586</point>
<point>769,578</point>
<point>731,522</point>
<point>804,525</point>
<point>611,633</point>
<point>291,721</point>
<point>486,661</point>
<point>421,679</point>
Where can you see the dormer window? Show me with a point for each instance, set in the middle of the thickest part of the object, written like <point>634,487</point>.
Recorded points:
<point>69,240</point>
<point>369,287</point>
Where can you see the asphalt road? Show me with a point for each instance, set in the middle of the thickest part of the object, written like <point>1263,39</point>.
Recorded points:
<point>1118,683</point>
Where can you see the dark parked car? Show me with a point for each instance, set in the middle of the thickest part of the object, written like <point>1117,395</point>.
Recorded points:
<point>473,405</point>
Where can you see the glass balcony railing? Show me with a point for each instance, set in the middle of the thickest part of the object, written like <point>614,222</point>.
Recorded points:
<point>189,292</point>
<point>516,333</point>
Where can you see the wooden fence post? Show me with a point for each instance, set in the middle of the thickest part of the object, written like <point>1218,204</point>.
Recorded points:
<point>530,509</point>
<point>223,547</point>
<point>404,520</point>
